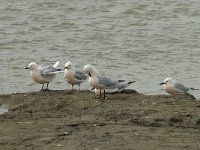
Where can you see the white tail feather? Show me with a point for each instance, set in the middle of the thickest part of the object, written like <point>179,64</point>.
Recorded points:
<point>56,64</point>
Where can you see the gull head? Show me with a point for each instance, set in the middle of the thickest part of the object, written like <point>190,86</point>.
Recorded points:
<point>168,81</point>
<point>90,70</point>
<point>31,66</point>
<point>68,65</point>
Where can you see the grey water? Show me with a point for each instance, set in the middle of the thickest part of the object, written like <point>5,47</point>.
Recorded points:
<point>3,110</point>
<point>141,40</point>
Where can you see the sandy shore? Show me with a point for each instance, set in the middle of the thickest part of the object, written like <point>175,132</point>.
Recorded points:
<point>73,120</point>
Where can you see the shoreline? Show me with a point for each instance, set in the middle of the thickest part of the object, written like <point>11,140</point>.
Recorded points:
<point>66,119</point>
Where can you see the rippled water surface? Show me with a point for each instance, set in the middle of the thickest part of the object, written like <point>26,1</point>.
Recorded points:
<point>140,40</point>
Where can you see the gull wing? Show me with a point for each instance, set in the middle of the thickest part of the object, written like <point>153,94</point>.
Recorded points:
<point>181,87</point>
<point>50,71</point>
<point>80,75</point>
<point>107,82</point>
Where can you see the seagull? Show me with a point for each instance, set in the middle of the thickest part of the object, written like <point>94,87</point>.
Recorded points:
<point>119,87</point>
<point>175,88</point>
<point>42,74</point>
<point>99,82</point>
<point>72,76</point>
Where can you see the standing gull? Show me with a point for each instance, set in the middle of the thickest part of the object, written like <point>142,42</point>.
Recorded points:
<point>72,76</point>
<point>175,88</point>
<point>99,82</point>
<point>42,74</point>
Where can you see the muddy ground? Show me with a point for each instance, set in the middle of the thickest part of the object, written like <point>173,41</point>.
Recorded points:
<point>73,120</point>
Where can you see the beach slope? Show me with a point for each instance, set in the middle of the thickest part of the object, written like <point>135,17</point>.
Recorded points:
<point>67,120</point>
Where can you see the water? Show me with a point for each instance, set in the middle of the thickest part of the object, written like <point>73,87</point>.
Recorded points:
<point>140,40</point>
<point>3,110</point>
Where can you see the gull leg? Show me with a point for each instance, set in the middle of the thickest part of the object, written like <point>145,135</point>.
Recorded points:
<point>100,94</point>
<point>104,94</point>
<point>42,87</point>
<point>47,85</point>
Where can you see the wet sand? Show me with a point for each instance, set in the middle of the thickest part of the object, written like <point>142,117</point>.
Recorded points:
<point>73,120</point>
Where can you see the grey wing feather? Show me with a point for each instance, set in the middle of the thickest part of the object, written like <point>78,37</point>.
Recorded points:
<point>122,85</point>
<point>49,71</point>
<point>80,75</point>
<point>181,87</point>
<point>107,82</point>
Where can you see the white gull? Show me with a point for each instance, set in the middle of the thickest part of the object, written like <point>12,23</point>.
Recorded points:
<point>73,76</point>
<point>42,74</point>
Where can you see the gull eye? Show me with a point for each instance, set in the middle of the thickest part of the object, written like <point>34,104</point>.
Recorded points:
<point>166,81</point>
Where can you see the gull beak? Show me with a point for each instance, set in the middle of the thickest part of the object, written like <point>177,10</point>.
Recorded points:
<point>26,67</point>
<point>162,83</point>
<point>66,68</point>
<point>89,74</point>
<point>131,82</point>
